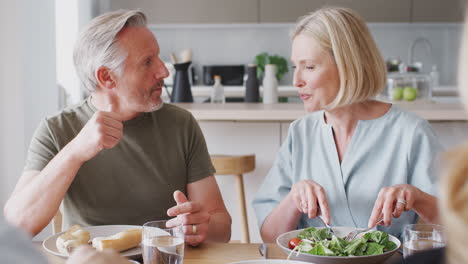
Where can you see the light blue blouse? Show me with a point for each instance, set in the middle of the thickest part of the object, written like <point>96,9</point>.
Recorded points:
<point>398,147</point>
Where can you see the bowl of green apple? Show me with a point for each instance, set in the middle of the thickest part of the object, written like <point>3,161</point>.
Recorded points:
<point>409,87</point>
<point>406,93</point>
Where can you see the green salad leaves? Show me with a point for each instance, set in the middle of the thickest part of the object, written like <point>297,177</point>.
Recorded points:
<point>323,243</point>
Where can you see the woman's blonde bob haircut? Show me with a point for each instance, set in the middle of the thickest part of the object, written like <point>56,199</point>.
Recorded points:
<point>344,34</point>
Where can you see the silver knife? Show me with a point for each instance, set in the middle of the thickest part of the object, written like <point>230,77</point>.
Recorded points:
<point>263,249</point>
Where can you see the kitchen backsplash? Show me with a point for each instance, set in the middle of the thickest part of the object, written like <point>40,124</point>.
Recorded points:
<point>239,43</point>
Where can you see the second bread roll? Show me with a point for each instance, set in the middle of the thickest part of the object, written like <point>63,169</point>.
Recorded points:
<point>121,241</point>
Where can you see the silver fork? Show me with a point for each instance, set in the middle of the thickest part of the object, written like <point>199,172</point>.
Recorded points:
<point>325,224</point>
<point>356,232</point>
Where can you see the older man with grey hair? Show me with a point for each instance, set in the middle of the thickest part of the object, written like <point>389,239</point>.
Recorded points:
<point>121,156</point>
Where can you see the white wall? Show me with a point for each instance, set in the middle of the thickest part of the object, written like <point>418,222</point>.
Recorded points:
<point>12,126</point>
<point>66,28</point>
<point>70,17</point>
<point>28,90</point>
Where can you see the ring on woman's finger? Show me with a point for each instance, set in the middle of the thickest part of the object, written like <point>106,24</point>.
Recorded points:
<point>304,205</point>
<point>402,201</point>
<point>194,229</point>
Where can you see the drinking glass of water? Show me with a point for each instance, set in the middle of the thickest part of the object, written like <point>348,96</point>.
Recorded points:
<point>162,245</point>
<point>418,238</point>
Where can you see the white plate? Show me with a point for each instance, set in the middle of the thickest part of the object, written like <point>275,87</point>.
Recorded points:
<point>96,231</point>
<point>270,261</point>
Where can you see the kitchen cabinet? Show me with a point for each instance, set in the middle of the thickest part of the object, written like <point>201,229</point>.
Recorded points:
<point>280,11</point>
<point>438,10</point>
<point>193,11</point>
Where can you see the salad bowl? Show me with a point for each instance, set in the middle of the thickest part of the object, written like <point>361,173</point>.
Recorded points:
<point>283,243</point>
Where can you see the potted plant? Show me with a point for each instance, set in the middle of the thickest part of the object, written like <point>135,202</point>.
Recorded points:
<point>264,58</point>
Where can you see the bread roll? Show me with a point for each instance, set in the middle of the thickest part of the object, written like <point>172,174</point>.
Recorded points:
<point>121,241</point>
<point>75,236</point>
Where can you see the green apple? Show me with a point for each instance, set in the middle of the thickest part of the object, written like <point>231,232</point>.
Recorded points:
<point>397,93</point>
<point>410,93</point>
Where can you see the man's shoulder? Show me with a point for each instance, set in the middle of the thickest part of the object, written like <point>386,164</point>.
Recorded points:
<point>75,114</point>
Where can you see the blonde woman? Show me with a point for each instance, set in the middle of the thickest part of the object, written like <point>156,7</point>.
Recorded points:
<point>352,160</point>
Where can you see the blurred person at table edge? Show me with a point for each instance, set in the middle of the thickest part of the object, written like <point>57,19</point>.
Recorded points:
<point>353,159</point>
<point>16,247</point>
<point>454,182</point>
<point>453,211</point>
<point>453,189</point>
<point>120,156</point>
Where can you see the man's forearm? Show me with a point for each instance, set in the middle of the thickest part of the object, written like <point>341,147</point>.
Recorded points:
<point>33,205</point>
<point>220,226</point>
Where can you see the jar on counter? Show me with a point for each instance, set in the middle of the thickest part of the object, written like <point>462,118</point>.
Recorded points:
<point>217,93</point>
<point>408,87</point>
<point>270,85</point>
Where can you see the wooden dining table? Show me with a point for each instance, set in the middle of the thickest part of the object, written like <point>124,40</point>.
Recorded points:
<point>218,253</point>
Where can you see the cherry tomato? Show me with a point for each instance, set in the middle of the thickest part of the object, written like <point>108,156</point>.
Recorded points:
<point>294,242</point>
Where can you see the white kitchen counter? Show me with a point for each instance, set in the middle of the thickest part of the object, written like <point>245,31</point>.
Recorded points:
<point>442,110</point>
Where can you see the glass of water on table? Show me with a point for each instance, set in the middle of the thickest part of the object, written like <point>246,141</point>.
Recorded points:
<point>162,245</point>
<point>422,237</point>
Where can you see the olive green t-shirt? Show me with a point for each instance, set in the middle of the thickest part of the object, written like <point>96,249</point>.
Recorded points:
<point>132,183</point>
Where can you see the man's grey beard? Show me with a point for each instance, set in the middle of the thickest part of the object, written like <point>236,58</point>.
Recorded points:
<point>152,90</point>
<point>157,107</point>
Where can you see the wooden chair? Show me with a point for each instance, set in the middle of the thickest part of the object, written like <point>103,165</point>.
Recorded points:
<point>237,165</point>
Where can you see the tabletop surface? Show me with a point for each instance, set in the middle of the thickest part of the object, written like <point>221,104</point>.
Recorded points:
<point>218,253</point>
